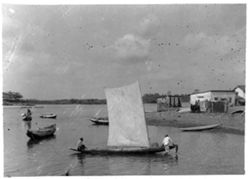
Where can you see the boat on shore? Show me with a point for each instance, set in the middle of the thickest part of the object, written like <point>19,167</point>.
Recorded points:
<point>42,133</point>
<point>52,116</point>
<point>128,132</point>
<point>200,128</point>
<point>99,120</point>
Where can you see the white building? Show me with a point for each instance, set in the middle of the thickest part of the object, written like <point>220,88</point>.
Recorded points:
<point>214,95</point>
<point>240,91</point>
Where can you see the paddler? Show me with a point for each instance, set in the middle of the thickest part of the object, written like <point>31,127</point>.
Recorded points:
<point>80,145</point>
<point>169,144</point>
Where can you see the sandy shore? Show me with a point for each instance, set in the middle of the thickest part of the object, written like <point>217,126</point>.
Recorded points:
<point>230,123</point>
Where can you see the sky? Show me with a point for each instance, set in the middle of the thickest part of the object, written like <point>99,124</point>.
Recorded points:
<point>76,51</point>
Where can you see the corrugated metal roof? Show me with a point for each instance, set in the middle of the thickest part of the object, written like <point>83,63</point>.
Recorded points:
<point>220,91</point>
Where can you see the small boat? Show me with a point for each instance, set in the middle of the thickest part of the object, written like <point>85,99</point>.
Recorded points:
<point>53,116</point>
<point>200,128</point>
<point>30,106</point>
<point>100,121</point>
<point>110,151</point>
<point>41,133</point>
<point>128,132</point>
<point>240,111</point>
<point>38,106</point>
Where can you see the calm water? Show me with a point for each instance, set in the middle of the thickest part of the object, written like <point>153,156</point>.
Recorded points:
<point>199,153</point>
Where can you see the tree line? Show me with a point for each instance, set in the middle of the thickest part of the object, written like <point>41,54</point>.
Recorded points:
<point>10,98</point>
<point>152,98</point>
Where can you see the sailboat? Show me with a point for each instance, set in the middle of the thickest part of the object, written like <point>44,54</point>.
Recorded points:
<point>128,132</point>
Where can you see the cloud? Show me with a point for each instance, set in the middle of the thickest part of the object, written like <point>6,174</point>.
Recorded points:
<point>149,25</point>
<point>132,46</point>
<point>217,44</point>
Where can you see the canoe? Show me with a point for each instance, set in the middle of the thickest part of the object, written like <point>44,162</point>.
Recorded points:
<point>53,116</point>
<point>200,128</point>
<point>38,106</point>
<point>100,121</point>
<point>120,151</point>
<point>238,112</point>
<point>42,132</point>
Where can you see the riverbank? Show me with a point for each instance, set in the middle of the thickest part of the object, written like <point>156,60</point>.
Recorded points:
<point>230,123</point>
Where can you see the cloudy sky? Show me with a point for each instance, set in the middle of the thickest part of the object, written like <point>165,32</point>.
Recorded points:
<point>52,52</point>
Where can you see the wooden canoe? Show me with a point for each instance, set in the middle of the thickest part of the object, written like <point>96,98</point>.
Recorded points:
<point>100,121</point>
<point>120,151</point>
<point>200,128</point>
<point>53,116</point>
<point>42,132</point>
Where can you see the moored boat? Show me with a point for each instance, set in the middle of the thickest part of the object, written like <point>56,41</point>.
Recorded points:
<point>41,133</point>
<point>200,128</point>
<point>100,121</point>
<point>53,116</point>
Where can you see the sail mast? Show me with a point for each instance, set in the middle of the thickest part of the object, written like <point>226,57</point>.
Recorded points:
<point>143,111</point>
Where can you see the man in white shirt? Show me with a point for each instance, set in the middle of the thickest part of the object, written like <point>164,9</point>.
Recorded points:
<point>168,144</point>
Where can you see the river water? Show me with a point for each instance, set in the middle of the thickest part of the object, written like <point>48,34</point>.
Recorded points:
<point>199,152</point>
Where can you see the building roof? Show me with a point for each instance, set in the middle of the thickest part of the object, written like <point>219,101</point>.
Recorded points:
<point>219,91</point>
<point>242,87</point>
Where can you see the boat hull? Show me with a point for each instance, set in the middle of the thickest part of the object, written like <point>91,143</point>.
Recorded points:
<point>42,133</point>
<point>200,128</point>
<point>99,121</point>
<point>119,151</point>
<point>48,116</point>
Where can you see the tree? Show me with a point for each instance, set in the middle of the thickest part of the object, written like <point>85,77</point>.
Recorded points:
<point>12,96</point>
<point>169,93</point>
<point>196,91</point>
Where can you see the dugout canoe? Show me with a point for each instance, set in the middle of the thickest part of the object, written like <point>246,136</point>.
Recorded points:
<point>52,116</point>
<point>200,128</point>
<point>120,151</point>
<point>100,121</point>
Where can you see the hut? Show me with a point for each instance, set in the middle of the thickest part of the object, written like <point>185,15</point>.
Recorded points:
<point>212,101</point>
<point>170,102</point>
<point>240,95</point>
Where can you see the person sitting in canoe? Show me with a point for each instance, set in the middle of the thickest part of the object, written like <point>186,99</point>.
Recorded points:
<point>80,145</point>
<point>168,144</point>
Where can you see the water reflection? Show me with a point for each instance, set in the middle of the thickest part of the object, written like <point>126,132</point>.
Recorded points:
<point>77,166</point>
<point>81,159</point>
<point>141,165</point>
<point>31,142</point>
<point>27,125</point>
<point>123,164</point>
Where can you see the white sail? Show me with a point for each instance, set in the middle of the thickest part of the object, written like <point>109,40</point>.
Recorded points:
<point>127,125</point>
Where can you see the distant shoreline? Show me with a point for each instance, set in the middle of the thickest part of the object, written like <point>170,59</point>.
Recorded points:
<point>33,102</point>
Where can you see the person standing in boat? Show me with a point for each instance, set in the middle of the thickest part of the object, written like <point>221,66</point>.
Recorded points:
<point>80,145</point>
<point>29,113</point>
<point>169,144</point>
